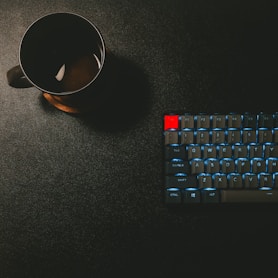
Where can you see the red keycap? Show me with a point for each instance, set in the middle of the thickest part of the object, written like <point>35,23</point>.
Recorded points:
<point>171,122</point>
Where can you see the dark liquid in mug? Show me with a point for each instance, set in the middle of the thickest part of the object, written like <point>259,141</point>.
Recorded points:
<point>79,72</point>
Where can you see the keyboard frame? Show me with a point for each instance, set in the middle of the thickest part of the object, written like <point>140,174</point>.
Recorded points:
<point>202,204</point>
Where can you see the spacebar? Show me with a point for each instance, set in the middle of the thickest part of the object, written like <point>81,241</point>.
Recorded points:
<point>249,196</point>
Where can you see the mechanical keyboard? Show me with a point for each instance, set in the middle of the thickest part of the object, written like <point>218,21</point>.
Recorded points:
<point>220,158</point>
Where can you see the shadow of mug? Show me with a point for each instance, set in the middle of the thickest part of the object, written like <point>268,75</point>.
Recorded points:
<point>64,56</point>
<point>124,98</point>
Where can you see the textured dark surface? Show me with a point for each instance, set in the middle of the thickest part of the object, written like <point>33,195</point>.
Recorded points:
<point>81,196</point>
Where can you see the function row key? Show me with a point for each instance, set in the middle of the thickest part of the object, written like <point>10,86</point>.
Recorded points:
<point>202,121</point>
<point>220,121</point>
<point>219,136</point>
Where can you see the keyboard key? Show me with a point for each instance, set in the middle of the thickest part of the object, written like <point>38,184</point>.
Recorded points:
<point>240,150</point>
<point>227,165</point>
<point>243,165</point>
<point>171,122</point>
<point>272,165</point>
<point>249,121</point>
<point>220,180</point>
<point>265,120</point>
<point>191,196</point>
<point>255,150</point>
<point>224,151</point>
<point>212,165</point>
<point>193,151</point>
<point>233,136</point>
<point>209,151</point>
<point>205,180</point>
<point>181,181</point>
<point>177,166</point>
<point>202,121</point>
<point>187,121</point>
<point>178,181</point>
<point>187,137</point>
<point>234,120</point>
<point>250,180</point>
<point>173,196</point>
<point>202,136</point>
<point>235,180</point>
<point>218,121</point>
<point>249,196</point>
<point>265,180</point>
<point>210,195</point>
<point>249,136</point>
<point>197,166</point>
<point>258,165</point>
<point>271,150</point>
<point>174,151</point>
<point>217,136</point>
<point>264,135</point>
<point>171,137</point>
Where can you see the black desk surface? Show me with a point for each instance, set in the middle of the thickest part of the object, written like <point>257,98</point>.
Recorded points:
<point>81,196</point>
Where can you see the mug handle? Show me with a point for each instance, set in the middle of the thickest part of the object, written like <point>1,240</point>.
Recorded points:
<point>17,79</point>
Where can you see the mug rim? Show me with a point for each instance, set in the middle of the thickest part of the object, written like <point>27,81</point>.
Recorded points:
<point>102,61</point>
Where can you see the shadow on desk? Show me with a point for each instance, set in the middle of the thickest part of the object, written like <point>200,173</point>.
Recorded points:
<point>123,100</point>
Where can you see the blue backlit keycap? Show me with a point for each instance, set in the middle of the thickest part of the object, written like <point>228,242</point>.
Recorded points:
<point>174,151</point>
<point>191,196</point>
<point>173,196</point>
<point>210,195</point>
